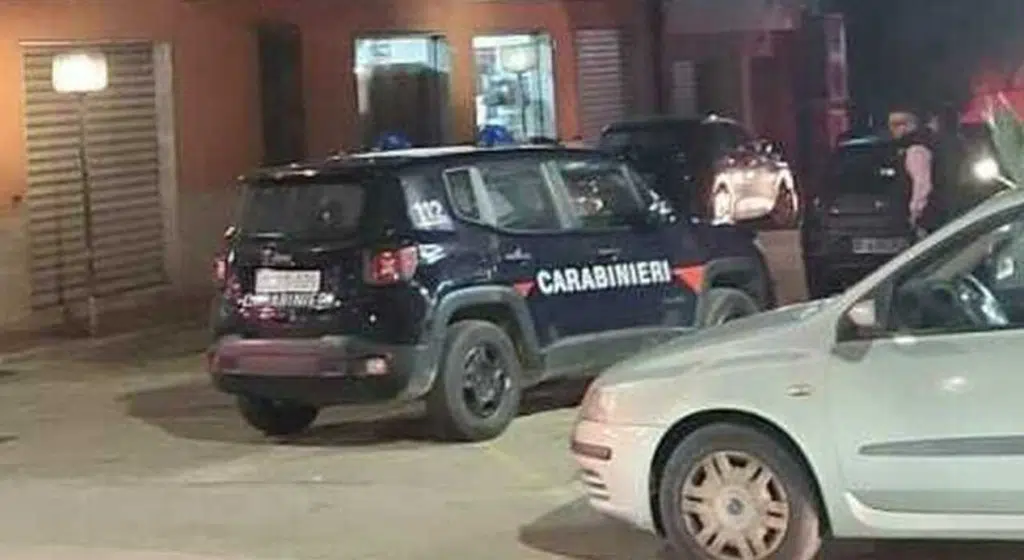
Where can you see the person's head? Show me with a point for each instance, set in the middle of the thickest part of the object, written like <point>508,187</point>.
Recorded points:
<point>902,122</point>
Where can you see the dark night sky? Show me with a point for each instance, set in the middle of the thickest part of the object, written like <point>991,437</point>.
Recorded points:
<point>924,51</point>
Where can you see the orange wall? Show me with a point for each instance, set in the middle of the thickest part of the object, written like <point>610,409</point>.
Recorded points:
<point>215,67</point>
<point>214,71</point>
<point>329,33</point>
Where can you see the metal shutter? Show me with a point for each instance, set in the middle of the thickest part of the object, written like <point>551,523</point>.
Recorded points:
<point>599,63</point>
<point>123,155</point>
<point>684,88</point>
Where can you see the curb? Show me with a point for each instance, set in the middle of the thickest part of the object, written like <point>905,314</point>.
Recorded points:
<point>72,346</point>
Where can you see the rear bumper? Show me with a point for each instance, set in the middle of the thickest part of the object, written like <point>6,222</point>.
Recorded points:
<point>324,371</point>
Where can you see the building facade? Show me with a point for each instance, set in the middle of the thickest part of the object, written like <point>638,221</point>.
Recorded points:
<point>202,90</point>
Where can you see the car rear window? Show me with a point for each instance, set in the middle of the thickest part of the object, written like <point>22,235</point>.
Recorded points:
<point>864,168</point>
<point>302,210</point>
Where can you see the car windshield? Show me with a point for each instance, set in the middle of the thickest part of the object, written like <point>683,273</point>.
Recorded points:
<point>309,210</point>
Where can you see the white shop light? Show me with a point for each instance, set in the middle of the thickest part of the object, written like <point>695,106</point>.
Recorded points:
<point>518,59</point>
<point>79,72</point>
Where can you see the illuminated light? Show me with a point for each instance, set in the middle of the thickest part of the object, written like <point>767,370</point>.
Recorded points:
<point>376,366</point>
<point>524,289</point>
<point>691,276</point>
<point>518,59</point>
<point>79,72</point>
<point>986,169</point>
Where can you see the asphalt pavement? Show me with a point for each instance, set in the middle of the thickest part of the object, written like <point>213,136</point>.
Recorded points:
<point>128,454</point>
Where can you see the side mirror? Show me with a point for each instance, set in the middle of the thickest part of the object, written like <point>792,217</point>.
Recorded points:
<point>864,316</point>
<point>229,233</point>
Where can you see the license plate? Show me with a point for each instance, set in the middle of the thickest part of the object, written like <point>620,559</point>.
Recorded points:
<point>271,281</point>
<point>879,246</point>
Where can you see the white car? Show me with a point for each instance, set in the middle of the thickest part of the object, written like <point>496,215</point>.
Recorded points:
<point>895,410</point>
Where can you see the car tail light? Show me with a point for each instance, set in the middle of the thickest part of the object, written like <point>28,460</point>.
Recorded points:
<point>220,270</point>
<point>392,266</point>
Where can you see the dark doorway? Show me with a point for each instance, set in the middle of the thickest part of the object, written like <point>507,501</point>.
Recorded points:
<point>281,95</point>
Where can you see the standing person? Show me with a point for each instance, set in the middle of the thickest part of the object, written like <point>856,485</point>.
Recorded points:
<point>917,154</point>
<point>949,195</point>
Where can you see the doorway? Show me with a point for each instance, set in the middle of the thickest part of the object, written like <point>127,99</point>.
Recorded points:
<point>515,84</point>
<point>403,85</point>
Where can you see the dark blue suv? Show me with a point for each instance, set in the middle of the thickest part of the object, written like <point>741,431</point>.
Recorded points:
<point>460,276</point>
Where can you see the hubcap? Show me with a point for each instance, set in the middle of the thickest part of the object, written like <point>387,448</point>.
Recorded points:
<point>734,507</point>
<point>486,380</point>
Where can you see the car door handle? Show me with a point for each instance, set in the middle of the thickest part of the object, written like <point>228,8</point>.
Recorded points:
<point>799,390</point>
<point>609,252</point>
<point>517,255</point>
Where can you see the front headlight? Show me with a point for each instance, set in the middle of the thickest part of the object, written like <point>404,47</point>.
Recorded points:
<point>598,404</point>
<point>986,169</point>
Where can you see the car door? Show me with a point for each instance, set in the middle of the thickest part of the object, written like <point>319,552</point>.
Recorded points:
<point>623,252</point>
<point>927,415</point>
<point>529,239</point>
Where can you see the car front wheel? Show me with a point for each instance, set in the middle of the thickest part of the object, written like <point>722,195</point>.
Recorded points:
<point>276,418</point>
<point>727,304</point>
<point>730,492</point>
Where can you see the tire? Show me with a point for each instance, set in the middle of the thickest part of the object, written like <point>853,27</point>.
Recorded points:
<point>785,213</point>
<point>276,418</point>
<point>779,484</point>
<point>450,405</point>
<point>728,304</point>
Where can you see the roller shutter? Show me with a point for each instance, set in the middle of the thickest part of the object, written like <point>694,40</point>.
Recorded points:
<point>123,158</point>
<point>601,83</point>
<point>684,88</point>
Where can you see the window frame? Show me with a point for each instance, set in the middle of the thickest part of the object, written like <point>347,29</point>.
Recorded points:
<point>488,213</point>
<point>885,292</point>
<point>576,223</point>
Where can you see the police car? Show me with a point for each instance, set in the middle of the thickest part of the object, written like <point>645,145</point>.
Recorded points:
<point>460,276</point>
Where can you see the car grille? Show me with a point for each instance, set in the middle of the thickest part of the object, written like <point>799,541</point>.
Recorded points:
<point>594,485</point>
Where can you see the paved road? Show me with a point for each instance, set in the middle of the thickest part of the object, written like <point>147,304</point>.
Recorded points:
<point>131,456</point>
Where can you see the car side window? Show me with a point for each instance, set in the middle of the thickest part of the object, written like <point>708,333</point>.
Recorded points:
<point>425,202</point>
<point>462,194</point>
<point>974,284</point>
<point>602,193</point>
<point>520,195</point>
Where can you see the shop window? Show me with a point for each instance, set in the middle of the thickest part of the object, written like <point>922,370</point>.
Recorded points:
<point>515,84</point>
<point>403,87</point>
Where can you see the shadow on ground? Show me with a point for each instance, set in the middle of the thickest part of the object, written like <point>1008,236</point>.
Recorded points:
<point>196,411</point>
<point>576,531</point>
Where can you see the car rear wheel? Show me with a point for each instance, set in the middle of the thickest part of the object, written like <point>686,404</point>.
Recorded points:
<point>730,492</point>
<point>479,385</point>
<point>727,304</point>
<point>276,418</point>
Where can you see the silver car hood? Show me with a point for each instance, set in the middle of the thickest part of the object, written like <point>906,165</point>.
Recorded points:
<point>757,334</point>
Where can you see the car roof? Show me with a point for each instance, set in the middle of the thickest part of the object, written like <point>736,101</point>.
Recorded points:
<point>666,120</point>
<point>344,164</point>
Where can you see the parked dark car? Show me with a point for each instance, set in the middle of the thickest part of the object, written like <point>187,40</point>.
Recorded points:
<point>858,219</point>
<point>459,276</point>
<point>712,168</point>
